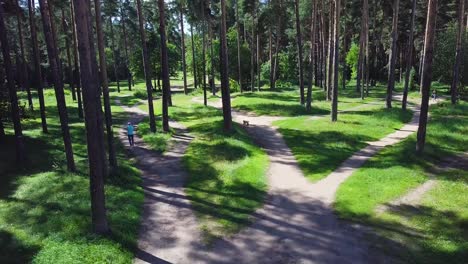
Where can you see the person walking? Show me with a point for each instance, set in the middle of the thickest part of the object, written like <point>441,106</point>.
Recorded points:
<point>130,133</point>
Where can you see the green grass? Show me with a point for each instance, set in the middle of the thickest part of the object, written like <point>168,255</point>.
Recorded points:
<point>45,214</point>
<point>435,230</point>
<point>320,146</point>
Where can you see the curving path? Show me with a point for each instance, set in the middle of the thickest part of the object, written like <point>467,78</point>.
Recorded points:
<point>296,224</point>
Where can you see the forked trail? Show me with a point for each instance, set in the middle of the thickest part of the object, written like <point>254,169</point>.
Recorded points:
<point>296,224</point>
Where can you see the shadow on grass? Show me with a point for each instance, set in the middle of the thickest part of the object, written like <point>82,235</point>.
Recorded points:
<point>14,251</point>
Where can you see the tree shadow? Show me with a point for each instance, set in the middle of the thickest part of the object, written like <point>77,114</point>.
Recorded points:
<point>13,250</point>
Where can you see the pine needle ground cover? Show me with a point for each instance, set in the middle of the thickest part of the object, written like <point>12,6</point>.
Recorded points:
<point>45,214</point>
<point>434,231</point>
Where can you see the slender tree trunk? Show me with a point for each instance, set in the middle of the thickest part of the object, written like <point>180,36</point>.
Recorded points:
<point>114,52</point>
<point>194,64</point>
<point>69,62</point>
<point>92,107</point>
<point>164,66</point>
<point>15,116</point>
<point>345,50</point>
<point>252,56</point>
<point>76,72</point>
<point>205,99</point>
<point>312,46</point>
<point>277,47</point>
<point>239,60</point>
<point>331,49</point>
<point>212,68</point>
<point>184,63</point>
<point>393,54</point>
<point>336,63</point>
<point>146,66</point>
<point>56,69</point>
<point>299,52</point>
<point>362,48</point>
<point>458,54</point>
<point>258,62</point>
<point>427,73</point>
<point>124,32</point>
<point>324,47</point>
<point>270,46</point>
<point>409,56</point>
<point>37,64</point>
<point>25,82</point>
<point>225,93</point>
<point>105,86</point>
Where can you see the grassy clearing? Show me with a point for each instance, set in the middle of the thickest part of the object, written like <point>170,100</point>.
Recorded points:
<point>320,146</point>
<point>45,211</point>
<point>435,230</point>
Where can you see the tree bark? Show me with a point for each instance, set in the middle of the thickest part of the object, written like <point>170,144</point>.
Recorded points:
<point>427,73</point>
<point>124,32</point>
<point>15,116</point>
<point>194,64</point>
<point>93,116</point>
<point>212,68</point>
<point>76,72</point>
<point>225,92</point>
<point>69,62</point>
<point>393,54</point>
<point>25,82</point>
<point>184,63</point>
<point>146,66</point>
<point>205,99</point>
<point>252,55</point>
<point>312,46</point>
<point>299,52</point>
<point>409,56</point>
<point>331,49</point>
<point>114,52</point>
<point>164,66</point>
<point>458,53</point>
<point>362,48</point>
<point>336,53</point>
<point>105,87</point>
<point>56,69</point>
<point>37,64</point>
<point>239,60</point>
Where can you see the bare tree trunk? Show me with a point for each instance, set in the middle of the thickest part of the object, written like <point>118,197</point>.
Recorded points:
<point>69,62</point>
<point>277,47</point>
<point>124,31</point>
<point>37,64</point>
<point>76,72</point>
<point>362,48</point>
<point>194,64</point>
<point>393,54</point>
<point>93,116</point>
<point>336,63</point>
<point>53,53</point>
<point>239,61</point>
<point>331,49</point>
<point>184,63</point>
<point>312,46</point>
<point>252,56</point>
<point>25,81</point>
<point>458,54</point>
<point>212,68</point>
<point>427,73</point>
<point>164,67</point>
<point>146,66</point>
<point>15,116</point>
<point>299,52</point>
<point>226,97</point>
<point>258,62</point>
<point>205,99</point>
<point>105,87</point>
<point>114,53</point>
<point>322,27</point>
<point>409,56</point>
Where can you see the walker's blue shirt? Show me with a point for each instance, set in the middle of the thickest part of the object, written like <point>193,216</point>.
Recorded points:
<point>130,130</point>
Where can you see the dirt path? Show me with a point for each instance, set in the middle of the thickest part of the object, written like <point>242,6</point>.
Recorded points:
<point>169,228</point>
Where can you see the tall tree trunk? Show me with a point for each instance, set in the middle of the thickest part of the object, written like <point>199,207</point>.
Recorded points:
<point>194,64</point>
<point>25,82</point>
<point>225,93</point>
<point>124,32</point>
<point>252,56</point>
<point>322,27</point>
<point>299,52</point>
<point>212,68</point>
<point>114,53</point>
<point>427,73</point>
<point>105,87</point>
<point>164,66</point>
<point>56,69</point>
<point>393,54</point>
<point>277,47</point>
<point>362,48</point>
<point>409,56</point>
<point>146,66</point>
<point>93,116</point>
<point>336,63</point>
<point>76,72</point>
<point>239,60</point>
<point>331,49</point>
<point>69,62</point>
<point>37,64</point>
<point>184,63</point>
<point>312,46</point>
<point>345,50</point>
<point>15,116</point>
<point>205,99</point>
<point>459,51</point>
<point>270,47</point>
<point>258,62</point>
